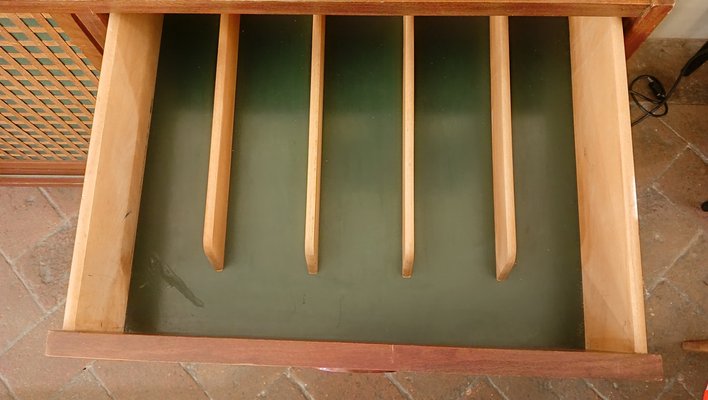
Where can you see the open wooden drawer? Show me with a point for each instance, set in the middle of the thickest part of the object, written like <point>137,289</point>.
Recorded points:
<point>610,309</point>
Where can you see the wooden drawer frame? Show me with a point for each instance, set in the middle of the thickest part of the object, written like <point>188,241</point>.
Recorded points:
<point>615,330</point>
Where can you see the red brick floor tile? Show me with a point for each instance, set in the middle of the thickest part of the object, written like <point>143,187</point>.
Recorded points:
<point>575,389</point>
<point>671,319</point>
<point>433,386</point>
<point>27,217</point>
<point>664,58</point>
<point>66,198</point>
<point>281,389</point>
<point>691,123</point>
<point>693,373</point>
<point>135,381</point>
<point>655,147</point>
<point>664,233</point>
<point>17,309</point>
<point>233,381</point>
<point>32,375</point>
<point>482,390</point>
<point>335,385</point>
<point>675,392</point>
<point>84,386</point>
<point>5,393</point>
<point>690,272</point>
<point>628,390</point>
<point>524,388</point>
<point>685,183</point>
<point>46,267</point>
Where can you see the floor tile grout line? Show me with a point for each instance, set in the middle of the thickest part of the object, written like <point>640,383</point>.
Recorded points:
<point>683,385</point>
<point>54,205</point>
<point>29,329</point>
<point>690,144</point>
<point>60,227</point>
<point>494,385</point>
<point>404,392</point>
<point>194,377</point>
<point>300,384</point>
<point>596,390</point>
<point>669,165</point>
<point>21,278</point>
<point>662,275</point>
<point>667,386</point>
<point>3,381</point>
<point>99,380</point>
<point>473,383</point>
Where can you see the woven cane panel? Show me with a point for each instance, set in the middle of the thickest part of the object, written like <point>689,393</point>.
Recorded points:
<point>47,91</point>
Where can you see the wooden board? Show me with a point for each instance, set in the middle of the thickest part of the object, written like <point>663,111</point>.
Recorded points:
<point>222,131</point>
<point>103,251</point>
<point>613,295</point>
<point>342,7</point>
<point>355,356</point>
<point>314,146</point>
<point>408,147</point>
<point>502,147</point>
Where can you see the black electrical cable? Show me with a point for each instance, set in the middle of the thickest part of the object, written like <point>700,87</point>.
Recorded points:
<point>659,97</point>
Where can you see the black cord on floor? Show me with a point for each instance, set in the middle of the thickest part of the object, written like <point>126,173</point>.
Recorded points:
<point>659,97</point>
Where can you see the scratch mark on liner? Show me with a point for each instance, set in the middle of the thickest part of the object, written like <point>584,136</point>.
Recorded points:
<point>172,279</point>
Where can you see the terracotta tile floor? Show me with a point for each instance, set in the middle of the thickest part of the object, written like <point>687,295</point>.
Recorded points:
<point>37,228</point>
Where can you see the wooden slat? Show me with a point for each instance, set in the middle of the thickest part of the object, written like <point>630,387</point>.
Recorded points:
<point>355,356</point>
<point>73,27</point>
<point>623,8</point>
<point>613,297</point>
<point>502,154</point>
<point>24,167</point>
<point>314,147</point>
<point>41,180</point>
<point>222,129</point>
<point>637,30</point>
<point>95,26</point>
<point>105,233</point>
<point>408,253</point>
<point>700,346</point>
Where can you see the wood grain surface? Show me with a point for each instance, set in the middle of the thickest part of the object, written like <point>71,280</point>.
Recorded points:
<point>355,356</point>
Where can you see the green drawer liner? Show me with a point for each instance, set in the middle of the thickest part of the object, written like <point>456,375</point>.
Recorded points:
<point>359,295</point>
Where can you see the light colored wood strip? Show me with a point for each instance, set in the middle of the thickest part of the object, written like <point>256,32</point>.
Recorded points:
<point>502,153</point>
<point>613,297</point>
<point>408,146</point>
<point>75,30</point>
<point>222,130</point>
<point>105,232</point>
<point>314,147</point>
<point>695,345</point>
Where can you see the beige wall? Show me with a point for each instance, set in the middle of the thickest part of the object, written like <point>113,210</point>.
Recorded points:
<point>688,20</point>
